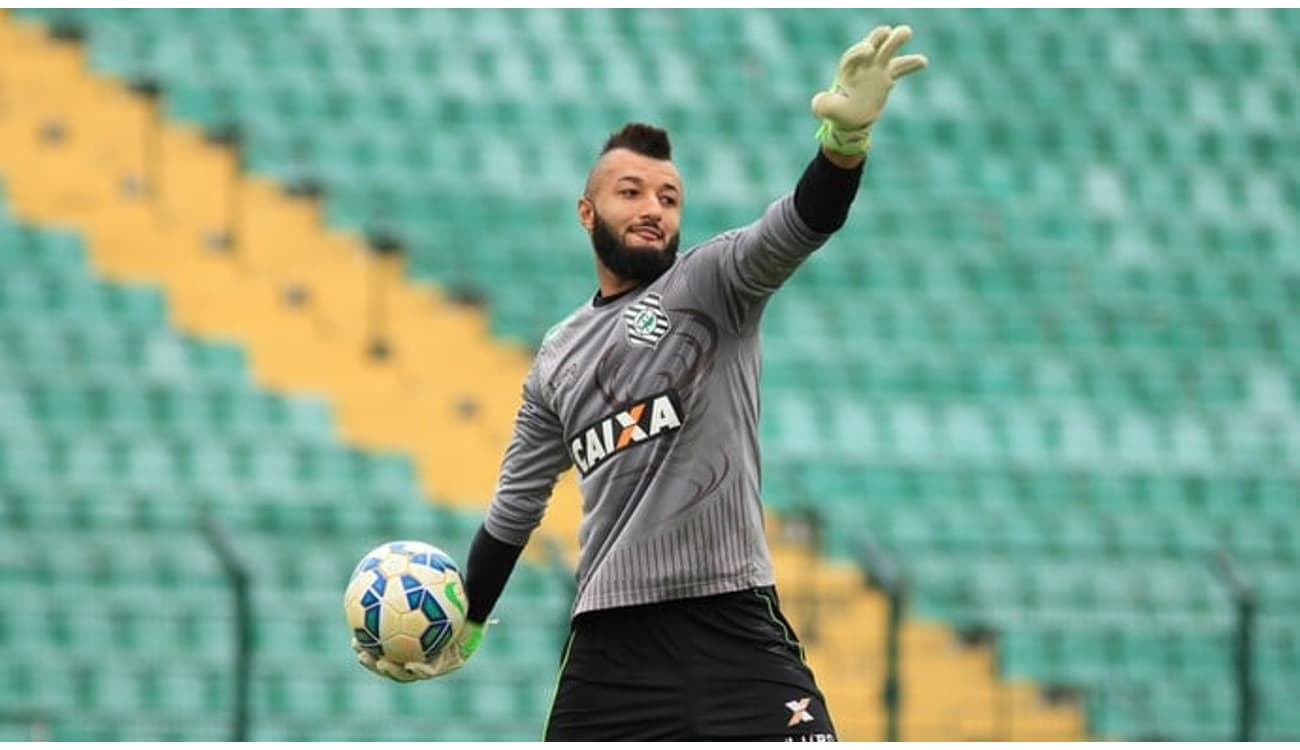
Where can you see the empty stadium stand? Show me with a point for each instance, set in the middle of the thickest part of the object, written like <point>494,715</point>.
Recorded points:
<point>1049,366</point>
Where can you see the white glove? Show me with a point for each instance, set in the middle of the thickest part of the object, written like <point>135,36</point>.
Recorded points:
<point>868,70</point>
<point>450,659</point>
<point>382,666</point>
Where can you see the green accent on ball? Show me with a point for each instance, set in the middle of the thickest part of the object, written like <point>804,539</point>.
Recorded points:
<point>450,592</point>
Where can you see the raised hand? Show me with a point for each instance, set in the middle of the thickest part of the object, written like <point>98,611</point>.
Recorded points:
<point>868,71</point>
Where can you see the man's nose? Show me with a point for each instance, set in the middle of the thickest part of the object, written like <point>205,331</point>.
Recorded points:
<point>651,209</point>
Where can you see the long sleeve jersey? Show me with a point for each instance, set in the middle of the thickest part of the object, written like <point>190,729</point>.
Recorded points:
<point>652,397</point>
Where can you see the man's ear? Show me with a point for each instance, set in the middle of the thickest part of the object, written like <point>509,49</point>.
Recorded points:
<point>586,213</point>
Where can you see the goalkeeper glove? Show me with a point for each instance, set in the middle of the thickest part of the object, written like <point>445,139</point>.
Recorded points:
<point>449,659</point>
<point>868,70</point>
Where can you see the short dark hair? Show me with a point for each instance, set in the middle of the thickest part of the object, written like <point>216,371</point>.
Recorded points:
<point>640,138</point>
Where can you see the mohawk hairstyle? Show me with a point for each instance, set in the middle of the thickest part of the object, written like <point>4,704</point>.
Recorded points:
<point>639,138</point>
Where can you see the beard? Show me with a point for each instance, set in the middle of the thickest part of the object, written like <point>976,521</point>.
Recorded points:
<point>643,264</point>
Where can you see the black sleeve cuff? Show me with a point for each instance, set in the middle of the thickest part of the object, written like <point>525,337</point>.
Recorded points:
<point>487,569</point>
<point>825,193</point>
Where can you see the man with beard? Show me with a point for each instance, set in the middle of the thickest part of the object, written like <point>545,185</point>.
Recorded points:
<point>650,390</point>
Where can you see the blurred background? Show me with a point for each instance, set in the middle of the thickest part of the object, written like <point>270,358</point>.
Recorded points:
<point>270,282</point>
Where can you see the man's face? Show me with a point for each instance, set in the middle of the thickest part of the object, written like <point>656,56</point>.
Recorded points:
<point>632,210</point>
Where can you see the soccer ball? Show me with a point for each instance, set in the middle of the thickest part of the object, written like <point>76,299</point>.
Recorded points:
<point>405,601</point>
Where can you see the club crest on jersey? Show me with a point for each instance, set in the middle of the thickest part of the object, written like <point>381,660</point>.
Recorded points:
<point>647,322</point>
<point>632,425</point>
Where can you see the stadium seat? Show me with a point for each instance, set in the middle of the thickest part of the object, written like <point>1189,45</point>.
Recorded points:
<point>131,405</point>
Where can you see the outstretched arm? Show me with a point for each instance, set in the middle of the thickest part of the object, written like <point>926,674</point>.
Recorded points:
<point>739,270</point>
<point>867,73</point>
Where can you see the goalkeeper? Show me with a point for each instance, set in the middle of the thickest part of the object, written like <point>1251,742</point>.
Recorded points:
<point>650,391</point>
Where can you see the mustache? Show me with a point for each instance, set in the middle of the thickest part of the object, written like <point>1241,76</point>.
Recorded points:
<point>652,226</point>
<point>643,265</point>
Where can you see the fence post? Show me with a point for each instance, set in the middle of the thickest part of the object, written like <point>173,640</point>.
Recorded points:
<point>893,694</point>
<point>885,573</point>
<point>237,573</point>
<point>1243,599</point>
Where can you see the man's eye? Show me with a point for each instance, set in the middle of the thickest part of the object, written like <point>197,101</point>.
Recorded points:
<point>669,201</point>
<point>627,193</point>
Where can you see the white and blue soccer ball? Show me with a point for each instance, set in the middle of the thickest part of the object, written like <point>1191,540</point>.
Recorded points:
<point>405,601</point>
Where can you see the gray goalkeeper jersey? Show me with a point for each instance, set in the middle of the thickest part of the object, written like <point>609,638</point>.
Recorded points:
<point>653,399</point>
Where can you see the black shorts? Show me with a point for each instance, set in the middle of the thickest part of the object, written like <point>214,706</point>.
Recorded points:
<point>724,667</point>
